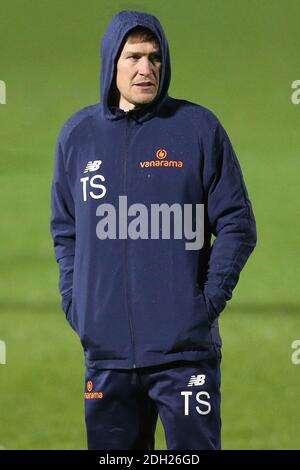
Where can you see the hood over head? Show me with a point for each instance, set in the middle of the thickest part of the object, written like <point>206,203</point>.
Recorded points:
<point>111,42</point>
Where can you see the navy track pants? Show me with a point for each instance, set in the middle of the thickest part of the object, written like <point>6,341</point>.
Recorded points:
<point>122,406</point>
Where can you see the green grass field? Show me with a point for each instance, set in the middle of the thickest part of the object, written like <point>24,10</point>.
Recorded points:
<point>238,58</point>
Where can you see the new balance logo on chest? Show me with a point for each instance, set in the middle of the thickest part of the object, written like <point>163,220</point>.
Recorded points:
<point>92,166</point>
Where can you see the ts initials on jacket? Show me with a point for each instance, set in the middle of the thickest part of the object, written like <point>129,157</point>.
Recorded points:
<point>141,302</point>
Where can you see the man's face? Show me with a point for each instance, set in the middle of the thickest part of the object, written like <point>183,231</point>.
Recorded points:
<point>138,73</point>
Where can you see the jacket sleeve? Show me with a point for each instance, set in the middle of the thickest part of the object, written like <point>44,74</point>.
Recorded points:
<point>62,227</point>
<point>230,218</point>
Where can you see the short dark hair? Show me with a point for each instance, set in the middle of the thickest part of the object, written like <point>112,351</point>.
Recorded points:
<point>141,34</point>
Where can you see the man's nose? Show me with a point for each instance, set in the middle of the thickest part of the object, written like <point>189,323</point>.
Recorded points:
<point>145,66</point>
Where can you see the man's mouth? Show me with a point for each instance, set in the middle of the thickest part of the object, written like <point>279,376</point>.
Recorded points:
<point>144,84</point>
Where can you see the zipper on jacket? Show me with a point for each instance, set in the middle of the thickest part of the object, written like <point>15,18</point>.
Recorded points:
<point>127,119</point>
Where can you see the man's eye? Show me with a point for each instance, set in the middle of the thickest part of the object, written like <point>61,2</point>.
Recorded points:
<point>156,57</point>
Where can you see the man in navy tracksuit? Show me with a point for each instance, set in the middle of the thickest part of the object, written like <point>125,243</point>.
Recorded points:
<point>146,308</point>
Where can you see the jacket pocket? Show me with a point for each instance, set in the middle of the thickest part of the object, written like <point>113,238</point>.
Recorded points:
<point>206,309</point>
<point>66,301</point>
<point>67,306</point>
<point>212,312</point>
<point>202,308</point>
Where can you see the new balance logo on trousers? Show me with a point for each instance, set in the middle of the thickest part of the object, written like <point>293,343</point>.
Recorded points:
<point>126,416</point>
<point>196,380</point>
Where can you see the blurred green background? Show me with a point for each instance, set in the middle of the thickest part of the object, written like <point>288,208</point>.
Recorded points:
<point>239,59</point>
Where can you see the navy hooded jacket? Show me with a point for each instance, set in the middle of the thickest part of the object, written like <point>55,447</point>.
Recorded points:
<point>141,302</point>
